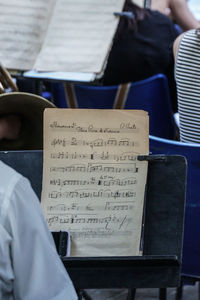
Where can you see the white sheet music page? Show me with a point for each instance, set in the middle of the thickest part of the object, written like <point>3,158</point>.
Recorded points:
<point>93,184</point>
<point>23,24</point>
<point>79,36</point>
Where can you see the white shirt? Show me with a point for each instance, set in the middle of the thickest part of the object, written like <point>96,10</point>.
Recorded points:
<point>30,268</point>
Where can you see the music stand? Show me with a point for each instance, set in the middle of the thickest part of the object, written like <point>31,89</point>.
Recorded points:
<point>160,264</point>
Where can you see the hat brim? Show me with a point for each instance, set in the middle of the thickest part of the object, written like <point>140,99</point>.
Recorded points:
<point>30,108</point>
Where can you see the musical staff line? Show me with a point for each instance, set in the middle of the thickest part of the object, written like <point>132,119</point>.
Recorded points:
<point>82,194</point>
<point>105,155</point>
<point>109,206</point>
<point>104,222</point>
<point>111,142</point>
<point>93,181</point>
<point>97,167</point>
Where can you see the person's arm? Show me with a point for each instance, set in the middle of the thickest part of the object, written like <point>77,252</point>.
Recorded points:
<point>38,270</point>
<point>182,14</point>
<point>176,45</point>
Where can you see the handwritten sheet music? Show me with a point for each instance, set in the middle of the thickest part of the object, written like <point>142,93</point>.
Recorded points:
<point>79,36</point>
<point>93,184</point>
<point>23,24</point>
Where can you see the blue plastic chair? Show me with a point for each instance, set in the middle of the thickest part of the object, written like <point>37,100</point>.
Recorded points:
<point>191,244</point>
<point>151,95</point>
<point>100,97</point>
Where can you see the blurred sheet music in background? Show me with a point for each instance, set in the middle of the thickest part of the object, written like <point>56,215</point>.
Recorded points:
<point>73,36</point>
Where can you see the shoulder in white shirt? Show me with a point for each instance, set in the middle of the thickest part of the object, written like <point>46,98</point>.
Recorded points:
<point>30,267</point>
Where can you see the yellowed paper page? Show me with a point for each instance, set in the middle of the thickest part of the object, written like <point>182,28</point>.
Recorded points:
<point>79,36</point>
<point>23,24</point>
<point>93,184</point>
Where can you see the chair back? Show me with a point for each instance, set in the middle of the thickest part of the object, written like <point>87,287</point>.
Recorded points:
<point>191,241</point>
<point>151,95</point>
<point>84,96</point>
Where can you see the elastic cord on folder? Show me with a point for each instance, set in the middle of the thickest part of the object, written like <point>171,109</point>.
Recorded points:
<point>126,14</point>
<point>162,158</point>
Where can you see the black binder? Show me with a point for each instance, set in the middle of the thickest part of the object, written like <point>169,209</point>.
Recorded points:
<point>160,264</point>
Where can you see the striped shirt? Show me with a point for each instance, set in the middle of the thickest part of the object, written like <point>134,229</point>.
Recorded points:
<point>187,73</point>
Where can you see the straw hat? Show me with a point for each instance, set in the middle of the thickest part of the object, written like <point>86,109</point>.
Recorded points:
<point>29,108</point>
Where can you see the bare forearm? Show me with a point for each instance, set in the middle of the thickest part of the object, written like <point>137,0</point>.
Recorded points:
<point>182,15</point>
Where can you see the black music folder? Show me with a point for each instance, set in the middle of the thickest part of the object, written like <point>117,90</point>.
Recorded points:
<point>160,264</point>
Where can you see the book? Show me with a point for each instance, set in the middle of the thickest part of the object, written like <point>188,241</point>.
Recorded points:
<point>72,36</point>
<point>93,182</point>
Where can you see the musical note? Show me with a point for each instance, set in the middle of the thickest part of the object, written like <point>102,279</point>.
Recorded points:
<point>56,142</point>
<point>105,155</point>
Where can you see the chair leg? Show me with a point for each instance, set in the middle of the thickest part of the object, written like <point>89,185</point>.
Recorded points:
<point>162,294</point>
<point>179,292</point>
<point>85,295</point>
<point>82,295</point>
<point>131,294</point>
<point>79,294</point>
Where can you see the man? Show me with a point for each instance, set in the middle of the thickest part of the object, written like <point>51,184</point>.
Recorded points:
<point>30,268</point>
